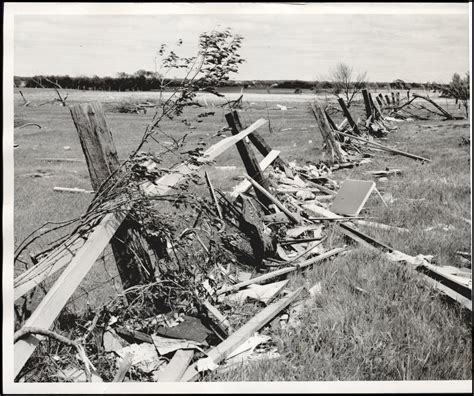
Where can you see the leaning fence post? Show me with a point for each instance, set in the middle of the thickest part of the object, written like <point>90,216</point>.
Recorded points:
<point>332,146</point>
<point>129,247</point>
<point>379,101</point>
<point>368,109</point>
<point>374,107</point>
<point>248,156</point>
<point>348,115</point>
<point>261,145</point>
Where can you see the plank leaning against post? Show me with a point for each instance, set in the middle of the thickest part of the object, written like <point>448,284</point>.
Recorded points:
<point>332,146</point>
<point>348,115</point>
<point>368,108</point>
<point>129,247</point>
<point>248,157</point>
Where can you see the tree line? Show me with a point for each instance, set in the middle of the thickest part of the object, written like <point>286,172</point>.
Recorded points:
<point>143,80</point>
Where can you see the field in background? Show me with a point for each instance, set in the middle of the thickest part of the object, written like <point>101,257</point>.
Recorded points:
<point>399,330</point>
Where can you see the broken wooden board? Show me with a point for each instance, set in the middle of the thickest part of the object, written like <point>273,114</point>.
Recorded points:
<point>280,272</point>
<point>239,337</point>
<point>73,190</point>
<point>176,367</point>
<point>124,366</point>
<point>387,172</point>
<point>263,293</point>
<point>219,319</point>
<point>351,197</point>
<point>320,211</point>
<point>244,185</point>
<point>292,216</point>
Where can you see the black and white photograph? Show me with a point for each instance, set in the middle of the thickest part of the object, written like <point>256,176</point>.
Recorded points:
<point>237,197</point>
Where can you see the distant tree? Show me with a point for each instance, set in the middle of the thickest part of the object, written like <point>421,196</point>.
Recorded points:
<point>344,82</point>
<point>459,89</point>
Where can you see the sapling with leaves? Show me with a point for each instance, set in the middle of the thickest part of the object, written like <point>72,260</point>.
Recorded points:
<point>216,58</point>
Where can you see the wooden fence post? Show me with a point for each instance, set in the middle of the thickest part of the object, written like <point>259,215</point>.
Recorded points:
<point>248,157</point>
<point>374,107</point>
<point>347,114</point>
<point>261,145</point>
<point>332,146</point>
<point>129,247</point>
<point>368,109</point>
<point>379,101</point>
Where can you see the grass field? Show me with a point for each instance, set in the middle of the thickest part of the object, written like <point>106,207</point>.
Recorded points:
<point>399,330</point>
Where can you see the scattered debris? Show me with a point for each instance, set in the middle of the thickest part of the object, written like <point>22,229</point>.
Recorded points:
<point>179,324</point>
<point>143,356</point>
<point>265,293</point>
<point>76,375</point>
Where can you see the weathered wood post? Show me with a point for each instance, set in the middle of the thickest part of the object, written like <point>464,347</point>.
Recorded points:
<point>331,122</point>
<point>332,146</point>
<point>368,109</point>
<point>248,156</point>
<point>379,101</point>
<point>387,99</point>
<point>394,101</point>
<point>261,145</point>
<point>129,247</point>
<point>348,115</point>
<point>377,112</point>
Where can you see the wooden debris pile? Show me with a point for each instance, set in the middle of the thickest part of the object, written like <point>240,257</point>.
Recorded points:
<point>204,260</point>
<point>351,142</point>
<point>417,107</point>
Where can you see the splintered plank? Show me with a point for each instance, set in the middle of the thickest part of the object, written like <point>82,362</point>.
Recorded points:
<point>230,344</point>
<point>244,185</point>
<point>83,259</point>
<point>54,301</point>
<point>176,367</point>
<point>280,272</point>
<point>385,148</point>
<point>292,216</point>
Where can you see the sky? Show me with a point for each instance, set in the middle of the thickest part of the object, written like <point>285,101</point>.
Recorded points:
<point>428,42</point>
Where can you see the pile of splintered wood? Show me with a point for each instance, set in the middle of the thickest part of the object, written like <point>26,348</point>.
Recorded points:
<point>351,142</point>
<point>234,258</point>
<point>417,107</point>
